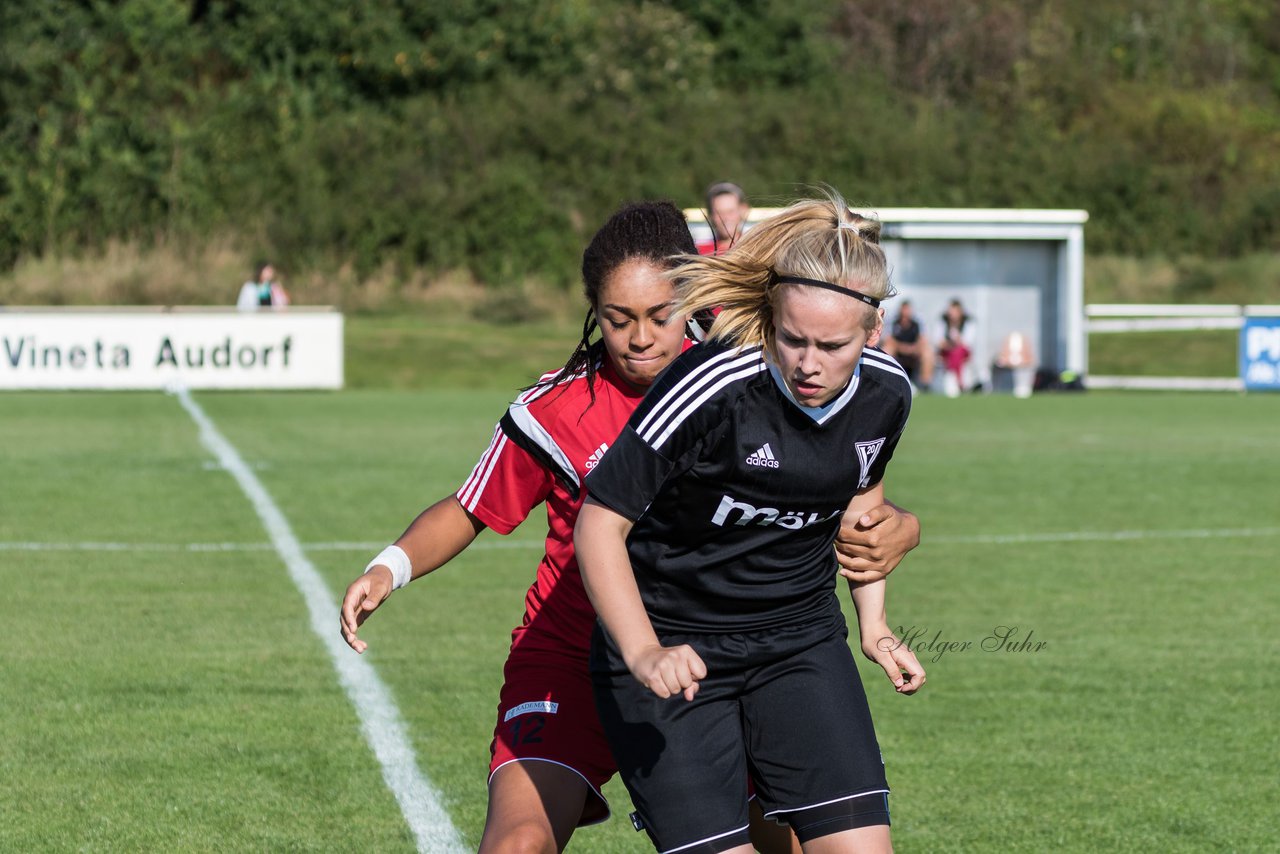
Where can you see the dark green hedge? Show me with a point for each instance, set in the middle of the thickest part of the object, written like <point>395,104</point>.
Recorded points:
<point>494,136</point>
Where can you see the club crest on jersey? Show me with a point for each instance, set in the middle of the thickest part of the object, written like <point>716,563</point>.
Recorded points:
<point>594,459</point>
<point>763,457</point>
<point>791,519</point>
<point>867,453</point>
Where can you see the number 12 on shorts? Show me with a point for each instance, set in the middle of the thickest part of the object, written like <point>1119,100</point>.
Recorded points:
<point>525,729</point>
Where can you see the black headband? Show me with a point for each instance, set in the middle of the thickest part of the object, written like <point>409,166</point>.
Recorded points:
<point>818,283</point>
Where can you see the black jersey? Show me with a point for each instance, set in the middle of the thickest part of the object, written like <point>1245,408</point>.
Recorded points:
<point>907,332</point>
<point>737,493</point>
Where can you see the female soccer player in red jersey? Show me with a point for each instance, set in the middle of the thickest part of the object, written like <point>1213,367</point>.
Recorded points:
<point>549,754</point>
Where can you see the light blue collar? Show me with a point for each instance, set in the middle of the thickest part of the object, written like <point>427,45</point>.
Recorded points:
<point>819,414</point>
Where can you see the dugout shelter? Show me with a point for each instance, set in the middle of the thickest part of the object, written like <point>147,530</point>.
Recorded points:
<point>1014,270</point>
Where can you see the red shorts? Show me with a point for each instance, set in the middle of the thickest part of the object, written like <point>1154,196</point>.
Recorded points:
<point>547,713</point>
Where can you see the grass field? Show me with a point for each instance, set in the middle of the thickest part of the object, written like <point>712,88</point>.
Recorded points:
<point>1202,353</point>
<point>163,689</point>
<point>391,352</point>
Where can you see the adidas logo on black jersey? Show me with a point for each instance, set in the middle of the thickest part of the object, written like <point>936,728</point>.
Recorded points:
<point>763,458</point>
<point>595,457</point>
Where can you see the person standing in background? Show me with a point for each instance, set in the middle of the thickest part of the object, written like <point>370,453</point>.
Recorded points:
<point>727,211</point>
<point>263,292</point>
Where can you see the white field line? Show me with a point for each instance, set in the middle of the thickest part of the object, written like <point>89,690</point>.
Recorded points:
<point>536,545</point>
<point>371,547</point>
<point>1106,536</point>
<point>379,717</point>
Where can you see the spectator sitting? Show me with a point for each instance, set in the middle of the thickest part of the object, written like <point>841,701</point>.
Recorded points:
<point>906,343</point>
<point>955,348</point>
<point>263,292</point>
<point>727,211</point>
<point>1017,356</point>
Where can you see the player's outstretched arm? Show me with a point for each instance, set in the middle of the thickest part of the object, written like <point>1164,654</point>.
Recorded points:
<point>875,535</point>
<point>886,649</point>
<point>600,540</point>
<point>879,643</point>
<point>362,598</point>
<point>438,535</point>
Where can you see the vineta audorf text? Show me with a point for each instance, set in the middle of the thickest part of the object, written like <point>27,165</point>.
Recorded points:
<point>28,352</point>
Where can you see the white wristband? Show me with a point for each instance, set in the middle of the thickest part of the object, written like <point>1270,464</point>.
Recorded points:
<point>394,559</point>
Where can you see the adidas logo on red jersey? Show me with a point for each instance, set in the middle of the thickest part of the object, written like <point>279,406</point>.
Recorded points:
<point>763,458</point>
<point>595,457</point>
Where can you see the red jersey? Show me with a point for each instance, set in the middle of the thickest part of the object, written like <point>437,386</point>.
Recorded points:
<point>541,451</point>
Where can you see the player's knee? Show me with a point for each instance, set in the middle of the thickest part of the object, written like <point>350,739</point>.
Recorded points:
<point>525,837</point>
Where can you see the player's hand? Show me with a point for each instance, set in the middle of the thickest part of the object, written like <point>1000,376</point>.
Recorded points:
<point>669,670</point>
<point>869,546</point>
<point>883,647</point>
<point>363,597</point>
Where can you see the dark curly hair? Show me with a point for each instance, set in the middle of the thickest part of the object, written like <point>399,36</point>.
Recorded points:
<point>649,231</point>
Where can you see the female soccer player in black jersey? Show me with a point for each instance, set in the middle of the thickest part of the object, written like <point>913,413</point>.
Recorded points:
<point>706,547</point>
<point>549,758</point>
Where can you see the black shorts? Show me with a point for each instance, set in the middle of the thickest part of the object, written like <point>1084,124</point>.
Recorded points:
<point>784,706</point>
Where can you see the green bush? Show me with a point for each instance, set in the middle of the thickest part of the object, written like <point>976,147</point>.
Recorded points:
<point>493,137</point>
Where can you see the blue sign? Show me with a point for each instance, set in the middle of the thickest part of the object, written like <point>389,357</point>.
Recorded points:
<point>1260,353</point>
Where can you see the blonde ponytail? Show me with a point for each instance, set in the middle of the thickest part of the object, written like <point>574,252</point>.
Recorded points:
<point>815,239</point>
